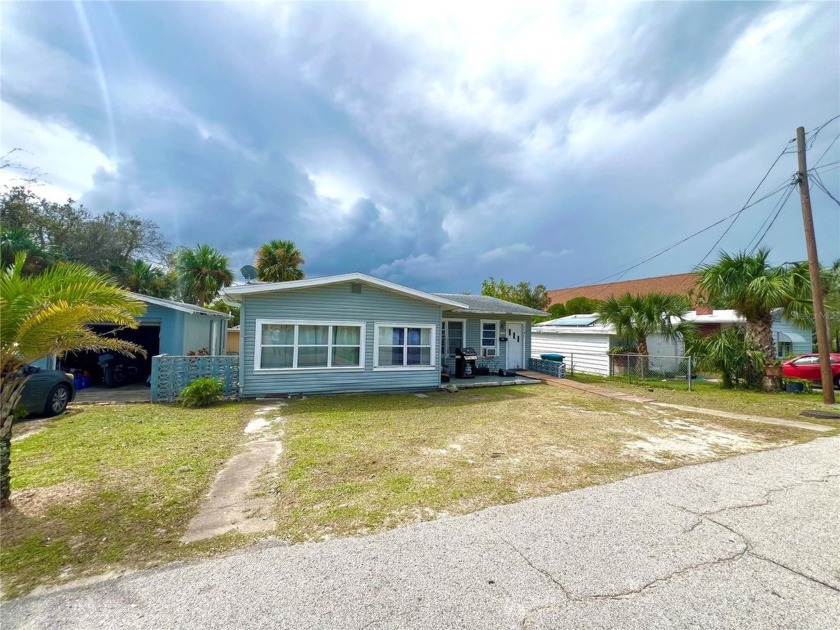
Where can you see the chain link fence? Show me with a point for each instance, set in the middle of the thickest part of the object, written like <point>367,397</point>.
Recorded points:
<point>639,368</point>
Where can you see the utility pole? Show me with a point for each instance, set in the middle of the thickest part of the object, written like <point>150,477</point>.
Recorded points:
<point>814,270</point>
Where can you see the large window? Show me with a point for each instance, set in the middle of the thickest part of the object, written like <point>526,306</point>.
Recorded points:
<point>404,347</point>
<point>452,336</point>
<point>489,338</point>
<point>282,345</point>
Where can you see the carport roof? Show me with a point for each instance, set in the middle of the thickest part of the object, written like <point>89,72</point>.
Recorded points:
<point>180,306</point>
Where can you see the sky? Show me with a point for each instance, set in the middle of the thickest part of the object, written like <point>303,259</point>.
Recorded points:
<point>434,144</point>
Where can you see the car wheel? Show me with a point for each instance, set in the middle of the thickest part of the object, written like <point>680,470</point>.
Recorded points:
<point>837,381</point>
<point>57,400</point>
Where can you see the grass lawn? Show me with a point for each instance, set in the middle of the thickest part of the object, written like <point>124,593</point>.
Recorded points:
<point>712,396</point>
<point>363,464</point>
<point>108,486</point>
<point>111,488</point>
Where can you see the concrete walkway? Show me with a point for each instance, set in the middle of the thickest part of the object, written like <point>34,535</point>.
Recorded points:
<point>233,503</point>
<point>616,395</point>
<point>748,542</point>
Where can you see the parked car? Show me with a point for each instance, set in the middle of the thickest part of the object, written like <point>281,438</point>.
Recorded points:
<point>47,392</point>
<point>807,366</point>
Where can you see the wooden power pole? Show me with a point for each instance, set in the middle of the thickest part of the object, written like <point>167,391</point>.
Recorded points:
<point>814,271</point>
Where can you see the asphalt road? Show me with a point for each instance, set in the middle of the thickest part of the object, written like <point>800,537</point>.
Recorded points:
<point>749,542</point>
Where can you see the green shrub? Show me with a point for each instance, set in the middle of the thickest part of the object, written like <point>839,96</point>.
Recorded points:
<point>202,392</point>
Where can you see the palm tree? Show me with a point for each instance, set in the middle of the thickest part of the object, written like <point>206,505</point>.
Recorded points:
<point>18,240</point>
<point>141,277</point>
<point>750,285</point>
<point>637,317</point>
<point>202,273</point>
<point>278,261</point>
<point>49,313</point>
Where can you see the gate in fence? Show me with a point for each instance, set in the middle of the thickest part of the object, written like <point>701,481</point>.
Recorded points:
<point>170,374</point>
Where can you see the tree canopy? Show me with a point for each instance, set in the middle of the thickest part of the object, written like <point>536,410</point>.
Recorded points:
<point>636,317</point>
<point>279,261</point>
<point>749,284</point>
<point>522,293</point>
<point>202,273</point>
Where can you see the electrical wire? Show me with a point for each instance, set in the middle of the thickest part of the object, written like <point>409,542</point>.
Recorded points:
<point>772,212</point>
<point>658,253</point>
<point>782,203</point>
<point>738,214</point>
<point>787,184</point>
<point>836,138</point>
<point>815,178</point>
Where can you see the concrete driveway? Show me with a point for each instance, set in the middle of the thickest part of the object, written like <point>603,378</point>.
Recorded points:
<point>749,542</point>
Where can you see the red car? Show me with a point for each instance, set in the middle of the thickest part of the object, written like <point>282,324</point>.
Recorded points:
<point>807,366</point>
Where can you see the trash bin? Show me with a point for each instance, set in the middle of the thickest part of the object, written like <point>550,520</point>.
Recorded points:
<point>465,359</point>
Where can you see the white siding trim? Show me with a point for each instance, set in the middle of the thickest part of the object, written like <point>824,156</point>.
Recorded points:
<point>305,322</point>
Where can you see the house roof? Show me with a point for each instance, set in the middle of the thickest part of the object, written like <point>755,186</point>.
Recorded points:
<point>180,306</point>
<point>578,321</point>
<point>676,284</point>
<point>489,305</point>
<point>235,293</point>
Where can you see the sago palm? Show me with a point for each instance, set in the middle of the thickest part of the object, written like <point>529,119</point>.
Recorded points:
<point>50,313</point>
<point>752,287</point>
<point>202,272</point>
<point>636,317</point>
<point>279,261</point>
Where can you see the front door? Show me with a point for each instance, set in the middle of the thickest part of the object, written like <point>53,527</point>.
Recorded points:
<point>515,346</point>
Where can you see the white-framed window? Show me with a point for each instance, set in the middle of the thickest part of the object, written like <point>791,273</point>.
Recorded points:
<point>452,335</point>
<point>304,345</point>
<point>404,347</point>
<point>489,338</point>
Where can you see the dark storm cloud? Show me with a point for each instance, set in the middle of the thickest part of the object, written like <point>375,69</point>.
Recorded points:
<point>385,145</point>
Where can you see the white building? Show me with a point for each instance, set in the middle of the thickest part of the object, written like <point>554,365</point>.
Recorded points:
<point>586,343</point>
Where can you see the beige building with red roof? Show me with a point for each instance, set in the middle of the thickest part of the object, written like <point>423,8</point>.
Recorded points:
<point>676,284</point>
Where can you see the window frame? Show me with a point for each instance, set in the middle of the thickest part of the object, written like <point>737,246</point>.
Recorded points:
<point>258,346</point>
<point>444,333</point>
<point>481,345</point>
<point>405,368</point>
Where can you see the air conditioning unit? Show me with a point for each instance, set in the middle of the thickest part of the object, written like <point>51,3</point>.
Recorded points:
<point>488,352</point>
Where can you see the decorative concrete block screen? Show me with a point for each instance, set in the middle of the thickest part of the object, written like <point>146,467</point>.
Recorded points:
<point>552,368</point>
<point>170,374</point>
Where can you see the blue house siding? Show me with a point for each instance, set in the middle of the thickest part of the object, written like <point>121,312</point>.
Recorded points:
<point>473,338</point>
<point>171,327</point>
<point>336,303</point>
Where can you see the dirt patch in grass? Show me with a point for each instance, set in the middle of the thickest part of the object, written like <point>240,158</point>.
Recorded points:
<point>361,464</point>
<point>111,487</point>
<point>712,396</point>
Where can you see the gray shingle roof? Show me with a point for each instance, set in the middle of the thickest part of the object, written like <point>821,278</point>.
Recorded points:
<point>490,305</point>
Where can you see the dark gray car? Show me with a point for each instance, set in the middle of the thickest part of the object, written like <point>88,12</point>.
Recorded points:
<point>47,392</point>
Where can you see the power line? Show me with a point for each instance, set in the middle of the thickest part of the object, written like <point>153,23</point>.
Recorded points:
<point>773,210</point>
<point>837,137</point>
<point>781,204</point>
<point>658,253</point>
<point>787,184</point>
<point>821,185</point>
<point>738,214</point>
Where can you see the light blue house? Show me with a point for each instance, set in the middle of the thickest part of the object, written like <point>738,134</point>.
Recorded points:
<point>166,327</point>
<point>357,333</point>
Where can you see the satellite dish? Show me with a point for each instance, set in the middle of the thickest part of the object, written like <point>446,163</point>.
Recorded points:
<point>249,272</point>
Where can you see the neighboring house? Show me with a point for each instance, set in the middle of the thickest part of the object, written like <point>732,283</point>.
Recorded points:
<point>232,346</point>
<point>167,327</point>
<point>586,342</point>
<point>676,284</point>
<point>354,332</point>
